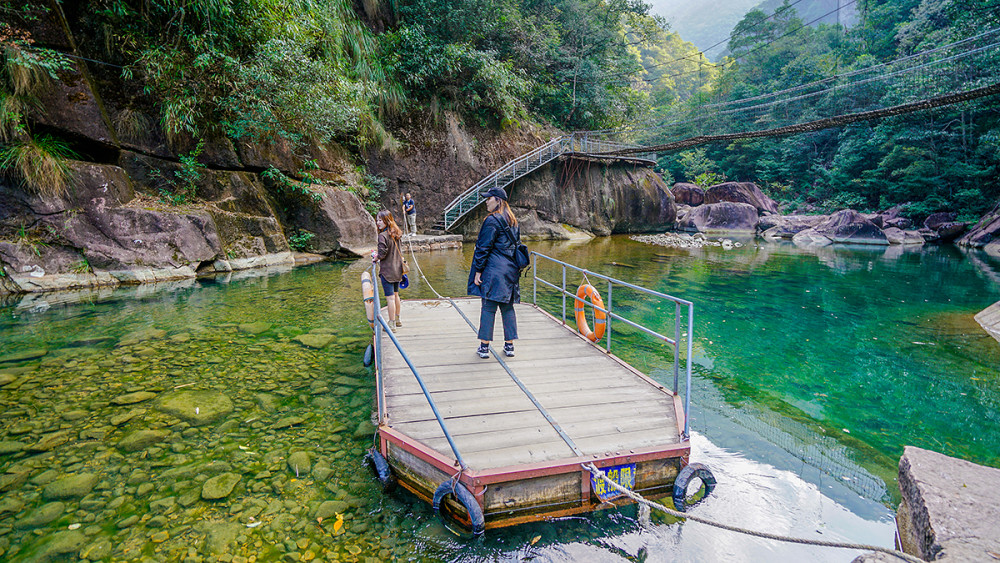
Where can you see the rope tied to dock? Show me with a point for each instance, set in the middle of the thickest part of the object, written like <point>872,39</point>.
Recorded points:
<point>639,499</point>
<point>657,506</point>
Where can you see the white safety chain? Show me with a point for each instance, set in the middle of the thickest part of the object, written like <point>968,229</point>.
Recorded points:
<point>677,514</point>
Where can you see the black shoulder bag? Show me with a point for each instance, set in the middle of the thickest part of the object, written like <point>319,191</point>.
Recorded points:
<point>522,258</point>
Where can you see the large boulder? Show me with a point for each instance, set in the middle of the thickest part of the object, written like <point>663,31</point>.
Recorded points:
<point>897,222</point>
<point>935,220</point>
<point>741,192</point>
<point>787,226</point>
<point>948,507</point>
<point>899,236</point>
<point>721,217</point>
<point>852,227</point>
<point>336,218</point>
<point>811,237</point>
<point>985,234</point>
<point>125,237</point>
<point>950,231</point>
<point>601,196</point>
<point>688,194</point>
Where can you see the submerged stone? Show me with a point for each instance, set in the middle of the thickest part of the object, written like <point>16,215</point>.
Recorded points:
<point>10,504</point>
<point>132,398</point>
<point>141,439</point>
<point>142,336</point>
<point>11,447</point>
<point>314,340</point>
<point>50,441</point>
<point>60,545</point>
<point>23,356</point>
<point>96,551</point>
<point>256,328</point>
<point>119,419</point>
<point>41,516</point>
<point>220,486</point>
<point>11,481</point>
<point>349,381</point>
<point>197,408</point>
<point>219,535</point>
<point>287,422</point>
<point>299,463</point>
<point>365,429</point>
<point>330,508</point>
<point>266,402</point>
<point>71,486</point>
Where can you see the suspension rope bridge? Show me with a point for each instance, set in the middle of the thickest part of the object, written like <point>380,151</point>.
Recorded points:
<point>960,72</point>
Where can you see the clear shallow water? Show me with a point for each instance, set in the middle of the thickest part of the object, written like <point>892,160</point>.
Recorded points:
<point>812,370</point>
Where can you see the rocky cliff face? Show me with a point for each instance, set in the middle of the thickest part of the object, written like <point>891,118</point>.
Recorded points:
<point>596,196</point>
<point>121,220</point>
<point>440,161</point>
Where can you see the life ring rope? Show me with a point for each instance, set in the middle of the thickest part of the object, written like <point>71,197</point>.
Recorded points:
<point>587,291</point>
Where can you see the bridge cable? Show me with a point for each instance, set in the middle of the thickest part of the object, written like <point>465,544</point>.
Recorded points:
<point>817,125</point>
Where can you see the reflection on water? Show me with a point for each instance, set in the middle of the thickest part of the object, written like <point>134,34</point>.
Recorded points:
<point>812,368</point>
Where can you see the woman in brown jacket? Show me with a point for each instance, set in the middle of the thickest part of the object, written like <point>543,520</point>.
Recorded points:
<point>390,260</point>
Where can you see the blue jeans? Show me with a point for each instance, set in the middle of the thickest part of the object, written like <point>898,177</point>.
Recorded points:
<point>487,318</point>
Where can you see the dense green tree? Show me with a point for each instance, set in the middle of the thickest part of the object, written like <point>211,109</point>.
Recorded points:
<point>935,160</point>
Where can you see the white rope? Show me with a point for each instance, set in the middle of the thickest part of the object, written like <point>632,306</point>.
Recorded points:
<point>409,244</point>
<point>677,514</point>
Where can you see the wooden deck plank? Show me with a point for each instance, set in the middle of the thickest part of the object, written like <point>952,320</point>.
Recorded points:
<point>484,427</point>
<point>563,380</point>
<point>601,404</point>
<point>607,409</point>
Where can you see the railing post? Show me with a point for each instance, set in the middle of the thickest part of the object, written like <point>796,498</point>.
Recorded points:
<point>677,344</point>
<point>687,391</point>
<point>607,321</point>
<point>564,294</point>
<point>378,344</point>
<point>534,280</point>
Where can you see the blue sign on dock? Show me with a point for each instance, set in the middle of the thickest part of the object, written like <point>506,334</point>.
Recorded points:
<point>624,475</point>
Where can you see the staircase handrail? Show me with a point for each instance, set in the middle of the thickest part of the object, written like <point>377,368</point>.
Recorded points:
<point>512,170</point>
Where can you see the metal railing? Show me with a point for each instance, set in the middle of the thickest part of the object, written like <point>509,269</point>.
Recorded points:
<point>608,309</point>
<point>382,325</point>
<point>580,142</point>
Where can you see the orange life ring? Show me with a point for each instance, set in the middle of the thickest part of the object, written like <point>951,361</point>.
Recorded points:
<point>368,293</point>
<point>600,318</point>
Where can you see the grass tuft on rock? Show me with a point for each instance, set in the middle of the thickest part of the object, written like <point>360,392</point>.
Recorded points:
<point>41,163</point>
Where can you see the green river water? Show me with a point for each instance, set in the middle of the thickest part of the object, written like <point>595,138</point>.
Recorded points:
<point>812,369</point>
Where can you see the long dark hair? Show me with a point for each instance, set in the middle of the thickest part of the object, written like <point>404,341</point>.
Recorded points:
<point>507,213</point>
<point>386,216</point>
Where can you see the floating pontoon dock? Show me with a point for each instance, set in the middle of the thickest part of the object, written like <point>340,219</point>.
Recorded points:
<point>523,427</point>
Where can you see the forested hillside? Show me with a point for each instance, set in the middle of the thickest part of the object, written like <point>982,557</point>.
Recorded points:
<point>320,71</point>
<point>945,159</point>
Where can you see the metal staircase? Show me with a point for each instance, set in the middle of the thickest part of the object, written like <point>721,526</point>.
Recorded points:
<point>580,143</point>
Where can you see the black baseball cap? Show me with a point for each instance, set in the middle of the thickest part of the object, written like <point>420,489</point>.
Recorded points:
<point>498,193</point>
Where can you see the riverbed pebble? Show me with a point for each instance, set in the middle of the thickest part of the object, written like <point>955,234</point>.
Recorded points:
<point>220,486</point>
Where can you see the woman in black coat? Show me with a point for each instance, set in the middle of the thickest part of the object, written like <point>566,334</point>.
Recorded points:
<point>494,275</point>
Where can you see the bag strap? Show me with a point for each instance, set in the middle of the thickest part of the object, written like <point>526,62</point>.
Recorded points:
<point>510,234</point>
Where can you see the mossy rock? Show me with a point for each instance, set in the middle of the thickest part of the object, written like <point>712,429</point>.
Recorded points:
<point>220,486</point>
<point>197,408</point>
